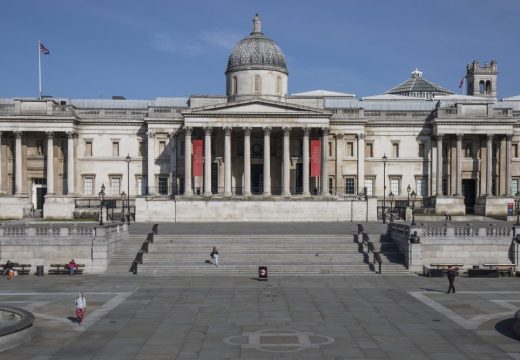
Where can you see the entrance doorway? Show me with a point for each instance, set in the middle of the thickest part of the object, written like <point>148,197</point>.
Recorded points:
<point>39,190</point>
<point>257,178</point>
<point>299,179</point>
<point>469,193</point>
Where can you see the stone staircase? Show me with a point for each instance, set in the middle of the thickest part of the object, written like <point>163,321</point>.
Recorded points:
<point>393,260</point>
<point>240,255</point>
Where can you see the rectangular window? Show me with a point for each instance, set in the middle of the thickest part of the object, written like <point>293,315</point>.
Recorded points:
<point>421,187</point>
<point>369,150</point>
<point>331,149</point>
<point>141,186</point>
<point>350,186</point>
<point>115,148</point>
<point>514,186</point>
<point>142,148</point>
<point>369,185</point>
<point>331,185</point>
<point>395,186</point>
<point>88,185</point>
<point>514,150</point>
<point>115,185</point>
<point>468,151</point>
<point>421,150</point>
<point>162,146</point>
<point>88,148</point>
<point>163,184</point>
<point>350,149</point>
<point>395,150</point>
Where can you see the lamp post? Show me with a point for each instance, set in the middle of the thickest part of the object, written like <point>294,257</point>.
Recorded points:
<point>517,197</point>
<point>123,197</point>
<point>128,159</point>
<point>391,196</point>
<point>408,189</point>
<point>414,195</point>
<point>102,197</point>
<point>384,188</point>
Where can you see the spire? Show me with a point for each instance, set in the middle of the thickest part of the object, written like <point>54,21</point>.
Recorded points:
<point>416,74</point>
<point>257,25</point>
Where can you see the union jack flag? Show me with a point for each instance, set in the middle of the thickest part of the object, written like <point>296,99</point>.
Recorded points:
<point>44,50</point>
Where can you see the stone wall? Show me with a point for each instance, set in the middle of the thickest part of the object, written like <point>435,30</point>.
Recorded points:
<point>456,244</point>
<point>269,210</point>
<point>12,207</point>
<point>45,244</point>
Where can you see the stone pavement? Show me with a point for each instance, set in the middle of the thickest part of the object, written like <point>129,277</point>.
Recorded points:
<point>353,317</point>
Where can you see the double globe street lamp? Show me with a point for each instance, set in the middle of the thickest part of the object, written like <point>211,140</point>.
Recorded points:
<point>384,188</point>
<point>128,159</point>
<point>102,198</point>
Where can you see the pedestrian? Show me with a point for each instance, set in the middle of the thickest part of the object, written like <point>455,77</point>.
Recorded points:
<point>72,267</point>
<point>81,307</point>
<point>214,256</point>
<point>8,267</point>
<point>452,272</point>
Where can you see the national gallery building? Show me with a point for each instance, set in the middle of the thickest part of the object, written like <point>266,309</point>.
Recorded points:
<point>259,154</point>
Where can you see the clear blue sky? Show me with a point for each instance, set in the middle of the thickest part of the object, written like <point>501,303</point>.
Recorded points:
<point>145,49</point>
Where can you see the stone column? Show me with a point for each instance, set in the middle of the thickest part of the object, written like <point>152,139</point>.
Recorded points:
<point>70,163</point>
<point>286,175</point>
<point>18,163</point>
<point>489,163</point>
<point>267,161</point>
<point>361,162</point>
<point>509,137</point>
<point>227,161</point>
<point>440,139</point>
<point>50,162</point>
<point>458,167</point>
<point>1,192</point>
<point>306,163</point>
<point>188,189</point>
<point>324,162</point>
<point>247,161</point>
<point>150,159</point>
<point>207,161</point>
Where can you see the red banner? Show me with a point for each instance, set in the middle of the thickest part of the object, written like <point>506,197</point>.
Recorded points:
<point>198,158</point>
<point>315,157</point>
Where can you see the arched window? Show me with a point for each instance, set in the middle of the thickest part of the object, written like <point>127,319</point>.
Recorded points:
<point>258,85</point>
<point>279,86</point>
<point>234,86</point>
<point>481,86</point>
<point>488,87</point>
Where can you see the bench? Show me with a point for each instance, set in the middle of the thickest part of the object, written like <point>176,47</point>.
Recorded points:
<point>62,269</point>
<point>503,269</point>
<point>21,269</point>
<point>438,270</point>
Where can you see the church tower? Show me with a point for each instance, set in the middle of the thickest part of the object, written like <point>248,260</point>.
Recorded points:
<point>481,80</point>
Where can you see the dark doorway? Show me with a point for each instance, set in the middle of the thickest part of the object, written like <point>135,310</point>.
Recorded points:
<point>40,197</point>
<point>214,178</point>
<point>468,190</point>
<point>299,179</point>
<point>257,178</point>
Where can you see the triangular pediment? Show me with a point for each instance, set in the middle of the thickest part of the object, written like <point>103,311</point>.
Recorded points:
<point>255,106</point>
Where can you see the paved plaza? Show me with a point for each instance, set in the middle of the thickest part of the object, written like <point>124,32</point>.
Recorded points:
<point>351,317</point>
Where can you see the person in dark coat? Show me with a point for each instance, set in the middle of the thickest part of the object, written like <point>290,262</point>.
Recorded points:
<point>8,267</point>
<point>452,272</point>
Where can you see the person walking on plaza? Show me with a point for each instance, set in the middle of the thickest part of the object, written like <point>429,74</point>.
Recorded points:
<point>452,272</point>
<point>81,307</point>
<point>214,256</point>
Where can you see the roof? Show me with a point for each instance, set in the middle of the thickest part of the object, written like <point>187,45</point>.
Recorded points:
<point>323,93</point>
<point>513,98</point>
<point>391,97</point>
<point>417,84</point>
<point>110,104</point>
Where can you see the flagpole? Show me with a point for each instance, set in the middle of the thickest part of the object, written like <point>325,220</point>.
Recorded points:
<point>39,70</point>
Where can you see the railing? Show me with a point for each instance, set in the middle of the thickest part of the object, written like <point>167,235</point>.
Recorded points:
<point>55,230</point>
<point>144,250</point>
<point>371,249</point>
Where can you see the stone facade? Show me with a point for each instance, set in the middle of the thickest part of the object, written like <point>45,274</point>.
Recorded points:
<point>457,153</point>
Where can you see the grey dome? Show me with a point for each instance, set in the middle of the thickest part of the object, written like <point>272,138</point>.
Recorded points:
<point>256,52</point>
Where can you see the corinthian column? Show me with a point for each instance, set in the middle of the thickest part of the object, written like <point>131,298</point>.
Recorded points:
<point>440,138</point>
<point>207,161</point>
<point>458,169</point>
<point>267,161</point>
<point>247,161</point>
<point>324,162</point>
<point>286,191</point>
<point>1,162</point>
<point>306,164</point>
<point>508,165</point>
<point>227,161</point>
<point>489,164</point>
<point>70,163</point>
<point>50,162</point>
<point>188,190</point>
<point>18,163</point>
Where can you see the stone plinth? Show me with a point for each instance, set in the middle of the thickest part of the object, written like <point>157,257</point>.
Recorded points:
<point>493,206</point>
<point>58,207</point>
<point>450,205</point>
<point>12,207</point>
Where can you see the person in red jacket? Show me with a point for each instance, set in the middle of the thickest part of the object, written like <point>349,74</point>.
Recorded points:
<point>72,266</point>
